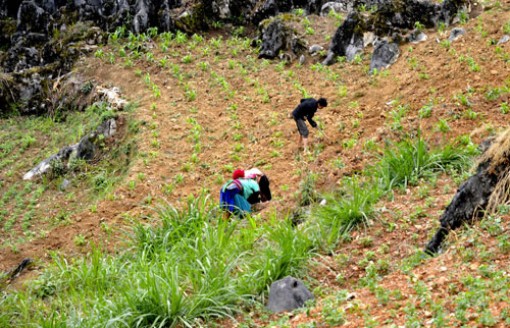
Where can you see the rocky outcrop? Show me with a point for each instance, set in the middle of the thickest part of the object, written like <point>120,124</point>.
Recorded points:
<point>481,194</point>
<point>389,19</point>
<point>469,201</point>
<point>89,146</point>
<point>348,39</point>
<point>85,149</point>
<point>277,37</point>
<point>35,62</point>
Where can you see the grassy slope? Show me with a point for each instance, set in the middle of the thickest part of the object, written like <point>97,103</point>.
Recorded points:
<point>215,94</point>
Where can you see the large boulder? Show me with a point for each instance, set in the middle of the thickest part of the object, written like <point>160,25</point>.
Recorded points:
<point>348,39</point>
<point>384,55</point>
<point>288,294</point>
<point>278,37</point>
<point>481,194</point>
<point>274,37</point>
<point>467,204</point>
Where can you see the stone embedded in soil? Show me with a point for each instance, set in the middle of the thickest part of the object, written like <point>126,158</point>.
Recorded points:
<point>456,34</point>
<point>87,149</point>
<point>351,296</point>
<point>504,39</point>
<point>416,36</point>
<point>288,294</point>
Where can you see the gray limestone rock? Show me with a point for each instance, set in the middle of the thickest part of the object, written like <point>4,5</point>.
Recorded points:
<point>277,37</point>
<point>314,49</point>
<point>416,36</point>
<point>347,41</point>
<point>336,6</point>
<point>456,34</point>
<point>385,54</point>
<point>288,294</point>
<point>504,39</point>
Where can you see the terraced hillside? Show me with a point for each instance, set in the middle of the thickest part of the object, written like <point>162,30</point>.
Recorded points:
<point>204,105</point>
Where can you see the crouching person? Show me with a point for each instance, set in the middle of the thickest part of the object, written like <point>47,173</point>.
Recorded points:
<point>244,190</point>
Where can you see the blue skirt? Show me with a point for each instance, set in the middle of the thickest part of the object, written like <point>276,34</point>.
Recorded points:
<point>233,201</point>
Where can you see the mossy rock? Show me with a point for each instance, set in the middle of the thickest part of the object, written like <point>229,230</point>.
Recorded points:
<point>40,70</point>
<point>79,31</point>
<point>7,28</point>
<point>7,94</point>
<point>194,21</point>
<point>284,18</point>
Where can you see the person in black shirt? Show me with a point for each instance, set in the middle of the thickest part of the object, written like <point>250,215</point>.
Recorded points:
<point>306,109</point>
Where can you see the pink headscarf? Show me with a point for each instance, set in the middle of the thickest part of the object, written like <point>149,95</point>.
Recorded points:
<point>252,173</point>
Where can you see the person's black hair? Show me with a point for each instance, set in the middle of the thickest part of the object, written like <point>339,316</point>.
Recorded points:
<point>323,102</point>
<point>265,192</point>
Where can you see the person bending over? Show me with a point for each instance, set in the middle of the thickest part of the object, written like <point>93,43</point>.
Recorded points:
<point>306,109</point>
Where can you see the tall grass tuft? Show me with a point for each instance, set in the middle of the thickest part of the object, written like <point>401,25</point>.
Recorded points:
<point>352,208</point>
<point>307,192</point>
<point>408,161</point>
<point>283,252</point>
<point>176,225</point>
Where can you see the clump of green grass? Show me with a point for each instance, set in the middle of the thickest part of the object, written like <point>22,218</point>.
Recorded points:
<point>307,193</point>
<point>352,207</point>
<point>184,268</point>
<point>410,160</point>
